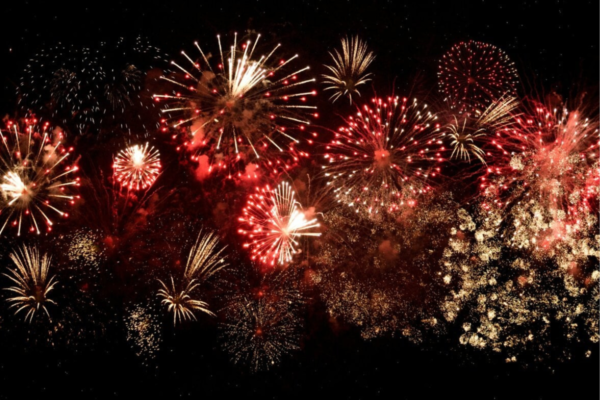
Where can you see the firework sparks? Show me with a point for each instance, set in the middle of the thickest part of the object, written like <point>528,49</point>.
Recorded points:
<point>203,262</point>
<point>143,331</point>
<point>35,181</point>
<point>32,282</point>
<point>275,221</point>
<point>262,323</point>
<point>99,86</point>
<point>519,307</point>
<point>469,133</point>
<point>137,167</point>
<point>180,302</point>
<point>382,160</point>
<point>545,176</point>
<point>473,74</point>
<point>243,109</point>
<point>348,71</point>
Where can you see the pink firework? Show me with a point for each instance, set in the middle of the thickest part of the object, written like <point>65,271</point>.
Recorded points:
<point>240,108</point>
<point>384,157</point>
<point>274,221</point>
<point>473,74</point>
<point>546,166</point>
<point>137,167</point>
<point>38,183</point>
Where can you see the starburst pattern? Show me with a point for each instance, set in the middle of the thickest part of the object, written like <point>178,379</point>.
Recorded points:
<point>474,74</point>
<point>275,221</point>
<point>35,179</point>
<point>247,108</point>
<point>137,167</point>
<point>32,282</point>
<point>385,156</point>
<point>180,303</point>
<point>348,69</point>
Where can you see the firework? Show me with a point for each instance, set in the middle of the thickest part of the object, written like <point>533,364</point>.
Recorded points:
<point>180,303</point>
<point>35,179</point>
<point>519,306</point>
<point>32,282</point>
<point>468,133</point>
<point>137,167</point>
<point>544,176</point>
<point>378,275</point>
<point>101,86</point>
<point>384,157</point>
<point>243,108</point>
<point>204,260</point>
<point>275,221</point>
<point>348,71</point>
<point>473,74</point>
<point>262,323</point>
<point>143,331</point>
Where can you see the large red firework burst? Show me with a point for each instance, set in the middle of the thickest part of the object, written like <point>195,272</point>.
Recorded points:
<point>384,157</point>
<point>240,108</point>
<point>473,74</point>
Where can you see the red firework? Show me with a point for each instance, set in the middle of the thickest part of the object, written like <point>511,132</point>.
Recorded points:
<point>384,157</point>
<point>473,74</point>
<point>274,221</point>
<point>547,164</point>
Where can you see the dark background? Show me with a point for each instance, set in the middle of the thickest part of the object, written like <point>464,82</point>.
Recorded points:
<point>555,46</point>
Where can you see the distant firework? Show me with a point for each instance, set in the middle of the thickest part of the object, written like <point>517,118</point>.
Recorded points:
<point>384,157</point>
<point>473,74</point>
<point>262,322</point>
<point>93,89</point>
<point>143,331</point>
<point>273,220</point>
<point>349,68</point>
<point>32,282</point>
<point>35,178</point>
<point>240,108</point>
<point>137,167</point>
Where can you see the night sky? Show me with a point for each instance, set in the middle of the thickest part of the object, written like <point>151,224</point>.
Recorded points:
<point>555,47</point>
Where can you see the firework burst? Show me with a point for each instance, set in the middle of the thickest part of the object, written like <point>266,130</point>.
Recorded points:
<point>473,74</point>
<point>244,108</point>
<point>383,158</point>
<point>32,282</point>
<point>262,322</point>
<point>348,70</point>
<point>545,175</point>
<point>180,302</point>
<point>137,167</point>
<point>203,262</point>
<point>35,179</point>
<point>101,86</point>
<point>468,133</point>
<point>275,221</point>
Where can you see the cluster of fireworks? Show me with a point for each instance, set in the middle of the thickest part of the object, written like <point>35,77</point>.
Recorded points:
<point>383,238</point>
